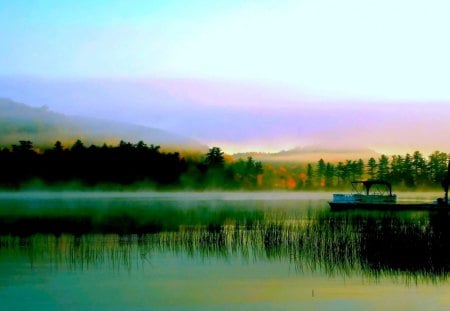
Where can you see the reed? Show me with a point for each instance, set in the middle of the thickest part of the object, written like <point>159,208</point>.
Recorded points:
<point>410,247</point>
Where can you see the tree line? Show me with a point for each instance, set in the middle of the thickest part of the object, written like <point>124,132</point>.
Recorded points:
<point>406,171</point>
<point>129,164</point>
<point>124,164</point>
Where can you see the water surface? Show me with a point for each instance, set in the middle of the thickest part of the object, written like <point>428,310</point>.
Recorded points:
<point>139,251</point>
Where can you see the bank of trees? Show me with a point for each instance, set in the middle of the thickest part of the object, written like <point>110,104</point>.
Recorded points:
<point>410,171</point>
<point>130,164</point>
<point>213,172</point>
<point>124,164</point>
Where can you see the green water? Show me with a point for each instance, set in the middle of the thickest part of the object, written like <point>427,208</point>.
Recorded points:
<point>203,251</point>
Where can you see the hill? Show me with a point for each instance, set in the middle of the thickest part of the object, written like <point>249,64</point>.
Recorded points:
<point>311,154</point>
<point>43,127</point>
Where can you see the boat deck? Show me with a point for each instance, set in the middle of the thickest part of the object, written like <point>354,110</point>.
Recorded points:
<point>337,206</point>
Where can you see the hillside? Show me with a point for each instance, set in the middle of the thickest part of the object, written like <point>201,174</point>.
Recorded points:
<point>43,127</point>
<point>311,154</point>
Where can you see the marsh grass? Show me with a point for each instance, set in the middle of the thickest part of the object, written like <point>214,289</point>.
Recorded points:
<point>412,247</point>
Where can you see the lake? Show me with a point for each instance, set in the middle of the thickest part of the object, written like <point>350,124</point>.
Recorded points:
<point>203,251</point>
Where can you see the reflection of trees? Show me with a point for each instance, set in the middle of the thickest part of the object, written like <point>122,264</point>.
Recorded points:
<point>421,246</point>
<point>413,246</point>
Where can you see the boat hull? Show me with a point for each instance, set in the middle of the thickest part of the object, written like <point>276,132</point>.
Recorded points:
<point>339,206</point>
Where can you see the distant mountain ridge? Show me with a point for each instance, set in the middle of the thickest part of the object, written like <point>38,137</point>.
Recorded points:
<point>311,153</point>
<point>43,127</point>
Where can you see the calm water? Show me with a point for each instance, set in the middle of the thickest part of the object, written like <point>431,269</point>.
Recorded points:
<point>191,251</point>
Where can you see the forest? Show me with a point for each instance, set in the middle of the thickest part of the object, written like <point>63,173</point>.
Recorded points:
<point>126,164</point>
<point>147,167</point>
<point>405,172</point>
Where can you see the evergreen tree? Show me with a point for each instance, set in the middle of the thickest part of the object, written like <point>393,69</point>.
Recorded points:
<point>437,166</point>
<point>58,147</point>
<point>24,147</point>
<point>383,167</point>
<point>215,158</point>
<point>78,146</point>
<point>309,175</point>
<point>419,167</point>
<point>407,171</point>
<point>329,174</point>
<point>349,170</point>
<point>340,173</point>
<point>372,168</point>
<point>396,175</point>
<point>359,169</point>
<point>321,170</point>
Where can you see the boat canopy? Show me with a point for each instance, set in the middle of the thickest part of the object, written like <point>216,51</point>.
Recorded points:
<point>367,185</point>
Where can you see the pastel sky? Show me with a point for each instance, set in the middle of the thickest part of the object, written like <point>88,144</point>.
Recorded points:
<point>261,75</point>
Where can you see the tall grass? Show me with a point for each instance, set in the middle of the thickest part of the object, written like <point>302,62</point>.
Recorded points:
<point>412,246</point>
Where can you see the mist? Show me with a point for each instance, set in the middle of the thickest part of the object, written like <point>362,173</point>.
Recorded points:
<point>243,118</point>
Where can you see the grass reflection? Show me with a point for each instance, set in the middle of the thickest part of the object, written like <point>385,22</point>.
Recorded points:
<point>412,246</point>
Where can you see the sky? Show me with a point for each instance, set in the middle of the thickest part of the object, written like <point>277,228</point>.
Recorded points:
<point>247,75</point>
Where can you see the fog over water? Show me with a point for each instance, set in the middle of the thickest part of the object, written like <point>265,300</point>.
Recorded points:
<point>190,250</point>
<point>173,196</point>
